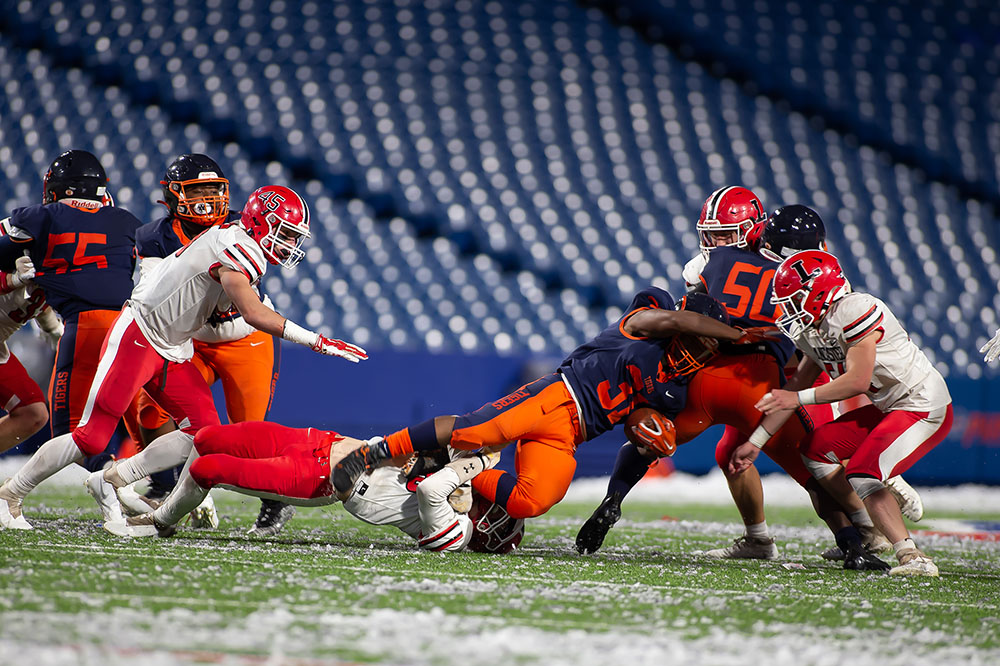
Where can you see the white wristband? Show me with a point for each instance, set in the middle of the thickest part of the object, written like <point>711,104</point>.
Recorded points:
<point>759,437</point>
<point>300,336</point>
<point>807,396</point>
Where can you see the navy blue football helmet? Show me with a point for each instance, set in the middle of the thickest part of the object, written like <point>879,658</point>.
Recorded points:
<point>195,190</point>
<point>791,229</point>
<point>75,174</point>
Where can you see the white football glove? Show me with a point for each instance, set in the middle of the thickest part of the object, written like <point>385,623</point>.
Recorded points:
<point>334,347</point>
<point>24,271</point>
<point>992,348</point>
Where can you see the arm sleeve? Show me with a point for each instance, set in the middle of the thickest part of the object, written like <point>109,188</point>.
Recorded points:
<point>441,527</point>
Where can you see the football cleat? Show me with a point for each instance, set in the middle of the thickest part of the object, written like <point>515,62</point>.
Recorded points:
<point>204,515</point>
<point>11,517</point>
<point>135,504</point>
<point>912,562</point>
<point>105,496</point>
<point>147,525</point>
<point>871,539</point>
<point>272,517</point>
<point>747,548</point>
<point>859,559</point>
<point>591,535</point>
<point>908,499</point>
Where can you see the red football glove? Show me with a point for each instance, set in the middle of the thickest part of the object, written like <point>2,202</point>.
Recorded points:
<point>334,347</point>
<point>657,434</point>
<point>758,334</point>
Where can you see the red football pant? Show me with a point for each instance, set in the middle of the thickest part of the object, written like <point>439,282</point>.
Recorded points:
<point>128,363</point>
<point>879,445</point>
<point>17,389</point>
<point>267,457</point>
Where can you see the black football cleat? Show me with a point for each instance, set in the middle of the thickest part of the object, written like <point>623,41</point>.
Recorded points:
<point>591,535</point>
<point>858,558</point>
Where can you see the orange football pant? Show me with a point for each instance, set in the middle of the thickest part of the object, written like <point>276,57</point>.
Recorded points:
<point>542,418</point>
<point>725,392</point>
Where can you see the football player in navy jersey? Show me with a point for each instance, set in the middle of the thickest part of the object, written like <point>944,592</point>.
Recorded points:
<point>196,194</point>
<point>643,359</point>
<point>83,251</point>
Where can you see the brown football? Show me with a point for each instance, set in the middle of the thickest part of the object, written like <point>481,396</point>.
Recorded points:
<point>657,434</point>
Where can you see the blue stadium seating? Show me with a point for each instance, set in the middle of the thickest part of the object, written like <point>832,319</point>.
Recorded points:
<point>504,175</point>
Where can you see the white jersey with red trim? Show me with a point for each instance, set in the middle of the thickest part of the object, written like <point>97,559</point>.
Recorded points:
<point>385,497</point>
<point>903,378</point>
<point>181,293</point>
<point>16,308</point>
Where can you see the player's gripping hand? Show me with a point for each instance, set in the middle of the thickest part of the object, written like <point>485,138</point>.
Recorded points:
<point>992,348</point>
<point>24,270</point>
<point>334,347</point>
<point>758,334</point>
<point>742,458</point>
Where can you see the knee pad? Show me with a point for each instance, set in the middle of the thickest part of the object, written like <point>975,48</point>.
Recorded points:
<point>865,485</point>
<point>819,469</point>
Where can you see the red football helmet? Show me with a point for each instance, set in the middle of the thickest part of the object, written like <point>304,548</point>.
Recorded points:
<point>731,209</point>
<point>805,285</point>
<point>278,219</point>
<point>493,530</point>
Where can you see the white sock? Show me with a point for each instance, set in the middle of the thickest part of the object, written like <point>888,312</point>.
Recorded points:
<point>51,457</point>
<point>758,531</point>
<point>861,519</point>
<point>164,452</point>
<point>903,544</point>
<point>183,499</point>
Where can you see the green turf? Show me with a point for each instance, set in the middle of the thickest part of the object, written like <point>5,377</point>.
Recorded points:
<point>332,587</point>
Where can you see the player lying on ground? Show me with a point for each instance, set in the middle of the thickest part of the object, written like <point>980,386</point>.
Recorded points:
<point>857,340</point>
<point>149,346</point>
<point>643,359</point>
<point>272,461</point>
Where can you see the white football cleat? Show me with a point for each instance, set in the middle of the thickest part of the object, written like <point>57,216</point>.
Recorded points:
<point>105,496</point>
<point>135,504</point>
<point>912,562</point>
<point>746,548</point>
<point>145,526</point>
<point>11,517</point>
<point>204,515</point>
<point>908,499</point>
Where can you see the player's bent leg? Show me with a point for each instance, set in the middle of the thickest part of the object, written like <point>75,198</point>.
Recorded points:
<point>544,473</point>
<point>21,423</point>
<point>165,452</point>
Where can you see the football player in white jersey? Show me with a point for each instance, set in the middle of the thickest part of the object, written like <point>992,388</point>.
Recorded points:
<point>858,341</point>
<point>292,465</point>
<point>150,343</point>
<point>20,396</point>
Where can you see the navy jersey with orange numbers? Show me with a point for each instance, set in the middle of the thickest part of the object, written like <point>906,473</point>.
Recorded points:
<point>741,280</point>
<point>84,257</point>
<point>614,373</point>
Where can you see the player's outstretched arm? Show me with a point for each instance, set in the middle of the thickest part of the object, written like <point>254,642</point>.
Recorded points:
<point>263,318</point>
<point>656,323</point>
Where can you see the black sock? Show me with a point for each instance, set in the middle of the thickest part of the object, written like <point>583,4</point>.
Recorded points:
<point>846,536</point>
<point>630,467</point>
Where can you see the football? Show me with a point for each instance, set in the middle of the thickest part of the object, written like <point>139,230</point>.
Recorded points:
<point>649,429</point>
